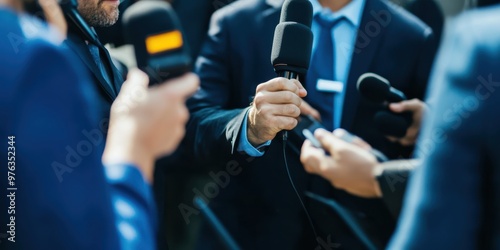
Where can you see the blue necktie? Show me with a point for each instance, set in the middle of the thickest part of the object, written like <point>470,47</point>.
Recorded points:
<point>96,55</point>
<point>321,67</point>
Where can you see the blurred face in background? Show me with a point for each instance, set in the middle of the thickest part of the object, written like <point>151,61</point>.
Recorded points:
<point>99,13</point>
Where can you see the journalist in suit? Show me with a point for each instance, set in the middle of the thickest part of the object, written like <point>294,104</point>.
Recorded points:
<point>63,196</point>
<point>104,75</point>
<point>453,196</point>
<point>456,190</point>
<point>259,206</point>
<point>56,207</point>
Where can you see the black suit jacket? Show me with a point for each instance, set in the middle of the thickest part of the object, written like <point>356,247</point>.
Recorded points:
<point>259,206</point>
<point>107,92</point>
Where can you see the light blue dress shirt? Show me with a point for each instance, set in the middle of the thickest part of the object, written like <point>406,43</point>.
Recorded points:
<point>344,37</point>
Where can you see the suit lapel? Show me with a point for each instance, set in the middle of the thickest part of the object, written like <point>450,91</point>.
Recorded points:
<point>116,78</point>
<point>362,58</point>
<point>79,46</point>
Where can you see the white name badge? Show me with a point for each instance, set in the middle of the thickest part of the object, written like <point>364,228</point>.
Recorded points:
<point>329,86</point>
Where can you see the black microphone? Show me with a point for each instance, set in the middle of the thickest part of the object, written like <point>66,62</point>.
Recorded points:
<point>155,31</point>
<point>291,51</point>
<point>379,91</point>
<point>292,44</point>
<point>392,124</point>
<point>299,11</point>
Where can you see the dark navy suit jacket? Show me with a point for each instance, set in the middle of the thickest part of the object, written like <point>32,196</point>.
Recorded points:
<point>453,201</point>
<point>107,92</point>
<point>259,205</point>
<point>67,212</point>
<point>63,198</point>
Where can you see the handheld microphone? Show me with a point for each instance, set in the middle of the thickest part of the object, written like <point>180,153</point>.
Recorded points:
<point>379,91</point>
<point>155,31</point>
<point>292,47</point>
<point>291,52</point>
<point>299,11</point>
<point>292,44</point>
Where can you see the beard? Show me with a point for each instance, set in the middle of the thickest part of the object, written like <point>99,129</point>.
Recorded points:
<point>96,15</point>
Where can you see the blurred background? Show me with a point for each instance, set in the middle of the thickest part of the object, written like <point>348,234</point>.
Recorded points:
<point>180,179</point>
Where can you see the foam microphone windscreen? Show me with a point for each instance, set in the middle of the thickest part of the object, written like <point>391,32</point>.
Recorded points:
<point>391,124</point>
<point>299,11</point>
<point>373,87</point>
<point>292,47</point>
<point>155,31</point>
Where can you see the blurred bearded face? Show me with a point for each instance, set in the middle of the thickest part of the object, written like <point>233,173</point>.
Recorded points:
<point>99,13</point>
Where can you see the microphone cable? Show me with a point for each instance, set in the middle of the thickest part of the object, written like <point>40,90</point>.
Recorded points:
<point>285,138</point>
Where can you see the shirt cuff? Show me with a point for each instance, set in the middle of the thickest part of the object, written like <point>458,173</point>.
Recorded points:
<point>245,146</point>
<point>128,177</point>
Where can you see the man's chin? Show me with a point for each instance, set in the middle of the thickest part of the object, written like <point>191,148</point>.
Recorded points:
<point>112,17</point>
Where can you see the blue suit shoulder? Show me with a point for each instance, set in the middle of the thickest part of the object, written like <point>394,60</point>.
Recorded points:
<point>474,28</point>
<point>240,14</point>
<point>402,19</point>
<point>472,49</point>
<point>238,8</point>
<point>48,105</point>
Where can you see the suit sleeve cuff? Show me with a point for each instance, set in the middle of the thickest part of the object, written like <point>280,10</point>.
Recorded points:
<point>245,146</point>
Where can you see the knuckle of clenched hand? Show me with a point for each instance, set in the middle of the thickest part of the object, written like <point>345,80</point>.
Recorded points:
<point>259,99</point>
<point>281,83</point>
<point>261,87</point>
<point>290,123</point>
<point>288,109</point>
<point>296,111</point>
<point>289,97</point>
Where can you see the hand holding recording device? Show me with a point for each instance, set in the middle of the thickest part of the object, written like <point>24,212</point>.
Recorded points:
<point>378,90</point>
<point>291,55</point>
<point>347,137</point>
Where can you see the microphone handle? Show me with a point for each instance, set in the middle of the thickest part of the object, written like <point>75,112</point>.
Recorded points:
<point>289,75</point>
